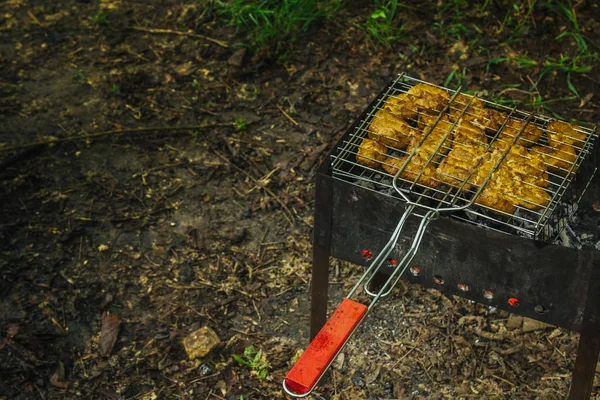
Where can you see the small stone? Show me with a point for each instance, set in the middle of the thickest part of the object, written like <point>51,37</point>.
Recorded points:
<point>338,363</point>
<point>237,58</point>
<point>246,213</point>
<point>204,370</point>
<point>199,343</point>
<point>358,381</point>
<point>514,322</point>
<point>530,325</point>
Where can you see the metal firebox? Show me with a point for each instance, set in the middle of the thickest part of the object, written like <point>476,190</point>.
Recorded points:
<point>510,261</point>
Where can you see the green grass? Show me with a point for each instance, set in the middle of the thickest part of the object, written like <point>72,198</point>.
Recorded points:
<point>79,76</point>
<point>100,19</point>
<point>275,24</point>
<point>255,361</point>
<point>382,24</point>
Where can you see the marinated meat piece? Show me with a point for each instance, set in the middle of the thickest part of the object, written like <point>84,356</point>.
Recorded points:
<point>460,103</point>
<point>493,198</point>
<point>426,120</point>
<point>427,144</point>
<point>391,130</point>
<point>457,166</point>
<point>485,168</point>
<point>428,98</point>
<point>528,196</point>
<point>488,119</point>
<point>402,105</point>
<point>558,160</point>
<point>560,133</point>
<point>531,133</point>
<point>523,167</point>
<point>518,180</point>
<point>371,153</point>
<point>465,132</point>
<point>414,167</point>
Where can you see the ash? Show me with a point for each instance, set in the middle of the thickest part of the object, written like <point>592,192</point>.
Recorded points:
<point>578,228</point>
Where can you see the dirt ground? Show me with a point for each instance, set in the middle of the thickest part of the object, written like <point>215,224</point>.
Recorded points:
<point>173,230</point>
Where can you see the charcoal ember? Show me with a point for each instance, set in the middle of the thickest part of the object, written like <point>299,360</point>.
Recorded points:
<point>366,184</point>
<point>388,191</point>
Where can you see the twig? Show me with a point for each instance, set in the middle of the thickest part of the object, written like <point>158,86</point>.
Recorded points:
<point>287,115</point>
<point>113,132</point>
<point>179,33</point>
<point>288,215</point>
<point>37,21</point>
<point>504,380</point>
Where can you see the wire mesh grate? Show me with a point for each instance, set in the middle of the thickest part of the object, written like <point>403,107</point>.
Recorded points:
<point>524,176</point>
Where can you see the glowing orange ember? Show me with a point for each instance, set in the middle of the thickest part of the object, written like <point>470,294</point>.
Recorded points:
<point>513,302</point>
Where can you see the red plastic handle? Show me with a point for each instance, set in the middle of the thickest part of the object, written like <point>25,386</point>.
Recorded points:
<point>323,348</point>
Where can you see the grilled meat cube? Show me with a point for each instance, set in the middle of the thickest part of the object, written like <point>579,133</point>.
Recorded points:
<point>426,120</point>
<point>560,133</point>
<point>558,160</point>
<point>457,166</point>
<point>529,136</point>
<point>494,199</point>
<point>415,166</point>
<point>427,143</point>
<point>465,132</point>
<point>391,130</point>
<point>402,105</point>
<point>428,98</point>
<point>526,168</point>
<point>371,153</point>
<point>488,119</point>
<point>460,103</point>
<point>519,179</point>
<point>528,196</point>
<point>485,168</point>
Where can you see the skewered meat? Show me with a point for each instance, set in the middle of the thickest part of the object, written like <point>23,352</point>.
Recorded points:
<point>564,133</point>
<point>428,98</point>
<point>415,166</point>
<point>391,130</point>
<point>558,160</point>
<point>371,153</point>
<point>457,166</point>
<point>402,105</point>
<point>529,136</point>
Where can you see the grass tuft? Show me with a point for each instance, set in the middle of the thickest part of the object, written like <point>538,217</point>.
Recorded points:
<point>274,24</point>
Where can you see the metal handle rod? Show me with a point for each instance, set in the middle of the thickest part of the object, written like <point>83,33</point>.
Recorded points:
<point>370,273</point>
<point>406,260</point>
<point>387,249</point>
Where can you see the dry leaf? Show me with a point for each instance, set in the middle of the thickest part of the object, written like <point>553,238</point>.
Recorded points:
<point>108,335</point>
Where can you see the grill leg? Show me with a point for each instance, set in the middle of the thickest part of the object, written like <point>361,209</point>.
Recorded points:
<point>321,251</point>
<point>589,340</point>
